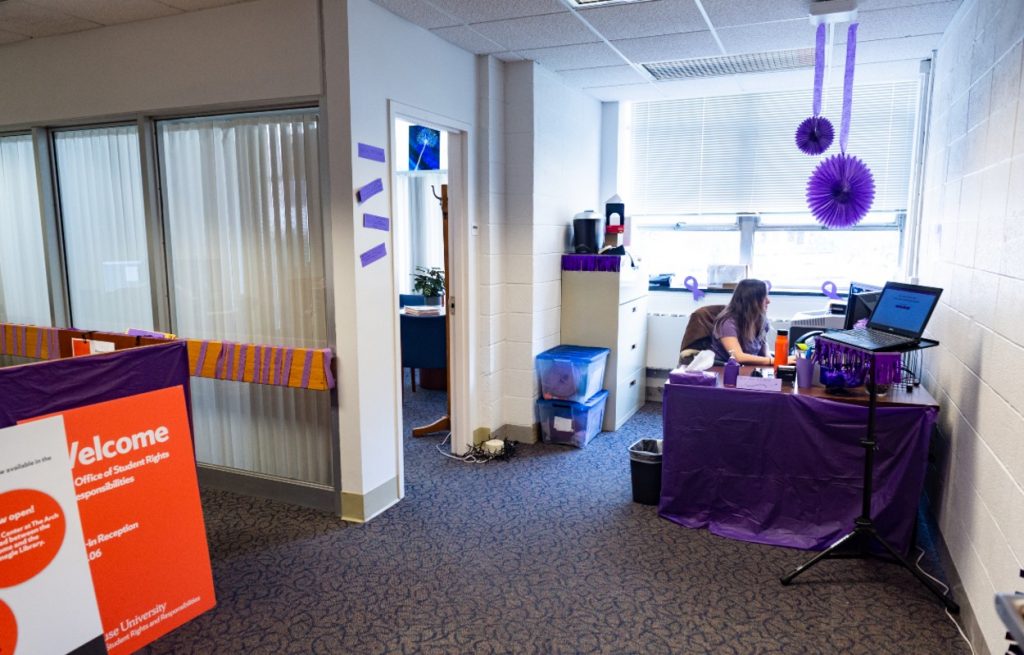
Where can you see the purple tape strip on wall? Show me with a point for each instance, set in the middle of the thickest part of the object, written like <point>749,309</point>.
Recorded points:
<point>373,254</point>
<point>371,152</point>
<point>375,222</point>
<point>370,190</point>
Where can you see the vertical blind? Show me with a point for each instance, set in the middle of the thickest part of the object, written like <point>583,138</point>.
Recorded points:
<point>23,291</point>
<point>737,154</point>
<point>103,216</point>
<point>242,212</point>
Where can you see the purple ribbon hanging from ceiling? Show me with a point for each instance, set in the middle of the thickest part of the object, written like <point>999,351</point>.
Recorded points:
<point>851,56</point>
<point>819,68</point>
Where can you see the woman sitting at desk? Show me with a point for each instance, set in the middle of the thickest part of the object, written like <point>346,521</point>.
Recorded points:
<point>742,327</point>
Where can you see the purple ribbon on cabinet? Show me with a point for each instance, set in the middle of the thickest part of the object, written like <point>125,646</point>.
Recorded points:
<point>829,288</point>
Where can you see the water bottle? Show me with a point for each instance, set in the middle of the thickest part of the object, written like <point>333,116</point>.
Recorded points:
<point>781,348</point>
<point>732,371</point>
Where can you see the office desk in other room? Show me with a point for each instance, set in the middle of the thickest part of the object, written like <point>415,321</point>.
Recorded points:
<point>787,469</point>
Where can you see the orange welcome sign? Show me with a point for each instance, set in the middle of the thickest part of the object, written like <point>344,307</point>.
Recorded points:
<point>135,480</point>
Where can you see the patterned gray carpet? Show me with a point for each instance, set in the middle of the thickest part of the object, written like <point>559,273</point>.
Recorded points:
<point>542,554</point>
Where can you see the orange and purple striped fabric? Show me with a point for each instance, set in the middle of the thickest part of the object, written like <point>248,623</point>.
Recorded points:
<point>305,368</point>
<point>29,341</point>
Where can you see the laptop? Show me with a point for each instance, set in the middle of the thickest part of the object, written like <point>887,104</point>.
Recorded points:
<point>898,320</point>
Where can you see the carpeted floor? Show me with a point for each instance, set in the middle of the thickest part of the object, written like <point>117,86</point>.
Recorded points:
<point>545,553</point>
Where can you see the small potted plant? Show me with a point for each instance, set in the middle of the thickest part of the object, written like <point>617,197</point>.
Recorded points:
<point>430,283</point>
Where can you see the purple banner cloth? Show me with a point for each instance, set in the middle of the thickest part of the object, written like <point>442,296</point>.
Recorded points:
<point>819,68</point>
<point>54,386</point>
<point>787,470</point>
<point>371,152</point>
<point>851,57</point>
<point>370,190</point>
<point>599,263</point>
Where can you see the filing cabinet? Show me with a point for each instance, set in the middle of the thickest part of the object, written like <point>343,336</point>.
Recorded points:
<point>609,309</point>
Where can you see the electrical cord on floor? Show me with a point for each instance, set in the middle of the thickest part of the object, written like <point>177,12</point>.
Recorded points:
<point>945,590</point>
<point>477,455</point>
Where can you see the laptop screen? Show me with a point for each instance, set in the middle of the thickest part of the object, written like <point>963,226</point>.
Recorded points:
<point>904,309</point>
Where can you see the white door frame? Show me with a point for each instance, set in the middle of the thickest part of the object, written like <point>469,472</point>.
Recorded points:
<point>460,298</point>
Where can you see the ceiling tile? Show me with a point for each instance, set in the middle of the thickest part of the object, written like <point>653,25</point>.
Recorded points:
<point>628,21</point>
<point>603,76</point>
<point>568,57</point>
<point>468,39</point>
<point>196,5</point>
<point>669,47</point>
<point>537,31</point>
<point>20,17</point>
<point>508,56</point>
<point>480,11</point>
<point>913,47</point>
<point>931,18</point>
<point>11,37</point>
<point>419,13</point>
<point>109,12</point>
<point>872,5</point>
<point>728,13</point>
<point>765,37</point>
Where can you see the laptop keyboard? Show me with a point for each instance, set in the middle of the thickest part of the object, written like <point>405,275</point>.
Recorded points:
<point>873,338</point>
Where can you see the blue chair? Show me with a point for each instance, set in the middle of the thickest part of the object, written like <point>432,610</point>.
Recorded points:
<point>423,343</point>
<point>410,299</point>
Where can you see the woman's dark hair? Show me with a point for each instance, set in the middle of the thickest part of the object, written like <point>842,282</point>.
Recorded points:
<point>746,308</point>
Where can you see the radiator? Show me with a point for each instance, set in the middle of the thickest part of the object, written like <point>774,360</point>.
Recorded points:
<point>664,334</point>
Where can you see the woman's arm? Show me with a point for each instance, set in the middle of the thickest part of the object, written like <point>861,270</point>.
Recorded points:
<point>732,345</point>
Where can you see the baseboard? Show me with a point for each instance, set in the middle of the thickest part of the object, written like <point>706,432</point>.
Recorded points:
<point>655,384</point>
<point>246,483</point>
<point>520,433</point>
<point>360,508</point>
<point>967,618</point>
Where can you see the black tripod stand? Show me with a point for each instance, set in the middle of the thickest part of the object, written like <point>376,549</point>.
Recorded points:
<point>864,531</point>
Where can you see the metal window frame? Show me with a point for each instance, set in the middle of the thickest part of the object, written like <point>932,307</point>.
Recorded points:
<point>749,224</point>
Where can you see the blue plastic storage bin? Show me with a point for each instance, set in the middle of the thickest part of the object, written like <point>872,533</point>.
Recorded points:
<point>573,373</point>
<point>573,424</point>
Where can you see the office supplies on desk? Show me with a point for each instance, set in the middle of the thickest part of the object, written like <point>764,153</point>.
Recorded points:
<point>786,373</point>
<point>758,383</point>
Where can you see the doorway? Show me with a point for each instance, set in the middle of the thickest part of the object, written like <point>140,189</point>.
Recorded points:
<point>428,152</point>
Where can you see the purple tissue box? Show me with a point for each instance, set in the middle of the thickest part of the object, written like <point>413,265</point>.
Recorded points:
<point>695,378</point>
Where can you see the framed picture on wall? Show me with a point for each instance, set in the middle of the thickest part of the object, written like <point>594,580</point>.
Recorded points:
<point>424,148</point>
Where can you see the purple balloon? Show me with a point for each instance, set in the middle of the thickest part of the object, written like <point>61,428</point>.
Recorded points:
<point>840,191</point>
<point>815,135</point>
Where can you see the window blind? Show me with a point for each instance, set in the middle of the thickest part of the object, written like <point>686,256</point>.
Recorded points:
<point>737,154</point>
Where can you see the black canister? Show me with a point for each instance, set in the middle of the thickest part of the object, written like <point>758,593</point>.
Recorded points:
<point>587,232</point>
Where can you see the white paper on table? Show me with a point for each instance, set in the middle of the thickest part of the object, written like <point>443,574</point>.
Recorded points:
<point>759,384</point>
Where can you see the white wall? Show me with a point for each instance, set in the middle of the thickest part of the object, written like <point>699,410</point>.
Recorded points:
<point>389,59</point>
<point>553,137</point>
<point>264,51</point>
<point>972,245</point>
<point>491,219</point>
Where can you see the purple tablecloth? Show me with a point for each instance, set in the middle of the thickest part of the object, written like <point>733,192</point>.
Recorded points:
<point>787,470</point>
<point>54,386</point>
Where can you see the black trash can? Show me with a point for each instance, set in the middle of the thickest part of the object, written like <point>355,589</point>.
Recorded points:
<point>645,470</point>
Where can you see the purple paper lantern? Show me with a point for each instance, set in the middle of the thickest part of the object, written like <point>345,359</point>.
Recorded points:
<point>814,135</point>
<point>840,191</point>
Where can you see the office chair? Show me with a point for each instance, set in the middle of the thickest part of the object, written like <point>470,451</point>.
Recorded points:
<point>697,336</point>
<point>423,343</point>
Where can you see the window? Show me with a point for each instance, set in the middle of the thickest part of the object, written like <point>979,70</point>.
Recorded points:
<point>720,181</point>
<point>242,216</point>
<point>23,292</point>
<point>103,217</point>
